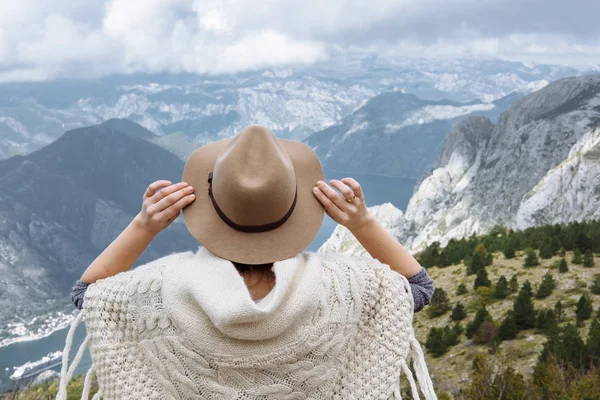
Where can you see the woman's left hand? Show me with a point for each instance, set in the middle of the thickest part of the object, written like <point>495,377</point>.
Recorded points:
<point>161,207</point>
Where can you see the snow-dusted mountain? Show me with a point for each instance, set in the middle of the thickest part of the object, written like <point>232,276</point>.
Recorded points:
<point>395,134</point>
<point>539,165</point>
<point>187,110</point>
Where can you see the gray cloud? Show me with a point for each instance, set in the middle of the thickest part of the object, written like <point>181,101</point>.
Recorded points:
<point>42,40</point>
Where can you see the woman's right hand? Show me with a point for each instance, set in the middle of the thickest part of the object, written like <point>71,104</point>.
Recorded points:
<point>352,214</point>
<point>161,207</point>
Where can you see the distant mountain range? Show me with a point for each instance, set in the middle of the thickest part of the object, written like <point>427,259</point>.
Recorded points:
<point>63,204</point>
<point>184,109</point>
<point>539,165</point>
<point>396,134</point>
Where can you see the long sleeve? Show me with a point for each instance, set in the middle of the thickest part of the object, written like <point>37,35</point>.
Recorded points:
<point>78,292</point>
<point>422,289</point>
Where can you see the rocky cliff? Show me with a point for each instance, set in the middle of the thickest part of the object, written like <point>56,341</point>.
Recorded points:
<point>540,164</point>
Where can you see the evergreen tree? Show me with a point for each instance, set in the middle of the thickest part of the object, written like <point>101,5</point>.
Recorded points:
<point>458,312</point>
<point>577,259</point>
<point>477,263</point>
<point>439,304</point>
<point>584,309</point>
<point>461,289</point>
<point>562,252</point>
<point>509,248</point>
<point>436,344</point>
<point>531,259</point>
<point>508,328</point>
<point>546,250</point>
<point>588,259</point>
<point>513,286</point>
<point>501,289</point>
<point>571,348</point>
<point>523,309</point>
<point>558,311</point>
<point>481,279</point>
<point>555,244</point>
<point>593,342</point>
<point>545,321</point>
<point>595,288</point>
<point>481,316</point>
<point>562,267</point>
<point>452,335</point>
<point>548,284</point>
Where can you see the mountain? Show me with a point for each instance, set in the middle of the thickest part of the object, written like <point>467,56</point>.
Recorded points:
<point>539,165</point>
<point>395,134</point>
<point>60,206</point>
<point>506,174</point>
<point>185,110</point>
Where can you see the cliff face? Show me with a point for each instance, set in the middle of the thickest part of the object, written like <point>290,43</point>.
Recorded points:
<point>488,175</point>
<point>540,164</point>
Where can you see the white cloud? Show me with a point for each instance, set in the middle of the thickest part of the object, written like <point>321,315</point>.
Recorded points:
<point>42,39</point>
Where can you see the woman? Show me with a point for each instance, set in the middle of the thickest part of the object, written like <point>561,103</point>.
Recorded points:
<point>249,316</point>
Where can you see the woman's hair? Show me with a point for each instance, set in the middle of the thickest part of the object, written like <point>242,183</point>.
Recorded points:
<point>249,269</point>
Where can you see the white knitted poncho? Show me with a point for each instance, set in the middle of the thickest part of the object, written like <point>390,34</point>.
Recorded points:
<point>185,327</point>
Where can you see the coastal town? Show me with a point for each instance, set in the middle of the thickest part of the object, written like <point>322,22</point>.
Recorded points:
<point>25,329</point>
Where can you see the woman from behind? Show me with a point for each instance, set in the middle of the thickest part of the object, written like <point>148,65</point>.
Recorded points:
<point>249,315</point>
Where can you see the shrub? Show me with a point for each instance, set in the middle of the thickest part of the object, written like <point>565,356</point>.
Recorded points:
<point>531,259</point>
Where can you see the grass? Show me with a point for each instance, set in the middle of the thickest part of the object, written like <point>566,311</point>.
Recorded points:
<point>452,370</point>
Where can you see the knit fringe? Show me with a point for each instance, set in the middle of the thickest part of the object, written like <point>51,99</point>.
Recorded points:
<point>422,373</point>
<point>66,372</point>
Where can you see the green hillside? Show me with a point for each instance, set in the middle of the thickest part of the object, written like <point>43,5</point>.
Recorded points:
<point>471,364</point>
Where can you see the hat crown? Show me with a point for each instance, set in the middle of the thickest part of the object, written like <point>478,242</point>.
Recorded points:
<point>253,181</point>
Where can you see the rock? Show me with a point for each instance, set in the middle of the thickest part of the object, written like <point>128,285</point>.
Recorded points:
<point>538,165</point>
<point>48,375</point>
<point>342,241</point>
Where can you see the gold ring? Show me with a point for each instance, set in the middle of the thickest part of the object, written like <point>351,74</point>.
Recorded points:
<point>350,199</point>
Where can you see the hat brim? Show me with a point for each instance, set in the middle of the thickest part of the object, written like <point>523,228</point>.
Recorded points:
<point>281,243</point>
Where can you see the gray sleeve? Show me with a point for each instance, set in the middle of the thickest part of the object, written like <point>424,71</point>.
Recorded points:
<point>78,292</point>
<point>422,289</point>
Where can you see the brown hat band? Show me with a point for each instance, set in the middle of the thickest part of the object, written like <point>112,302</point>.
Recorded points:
<point>249,228</point>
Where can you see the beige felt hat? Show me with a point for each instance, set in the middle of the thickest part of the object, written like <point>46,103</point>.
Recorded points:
<point>254,202</point>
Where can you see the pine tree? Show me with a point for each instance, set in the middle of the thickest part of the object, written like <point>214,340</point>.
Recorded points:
<point>501,289</point>
<point>571,348</point>
<point>577,259</point>
<point>548,284</point>
<point>593,342</point>
<point>439,304</point>
<point>436,344</point>
<point>545,321</point>
<point>531,259</point>
<point>508,328</point>
<point>588,259</point>
<point>562,268</point>
<point>595,288</point>
<point>562,252</point>
<point>584,309</point>
<point>461,289</point>
<point>523,309</point>
<point>481,279</point>
<point>477,263</point>
<point>458,312</point>
<point>481,316</point>
<point>509,248</point>
<point>546,251</point>
<point>452,335</point>
<point>558,311</point>
<point>513,286</point>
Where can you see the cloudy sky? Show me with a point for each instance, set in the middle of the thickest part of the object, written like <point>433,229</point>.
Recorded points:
<point>42,39</point>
